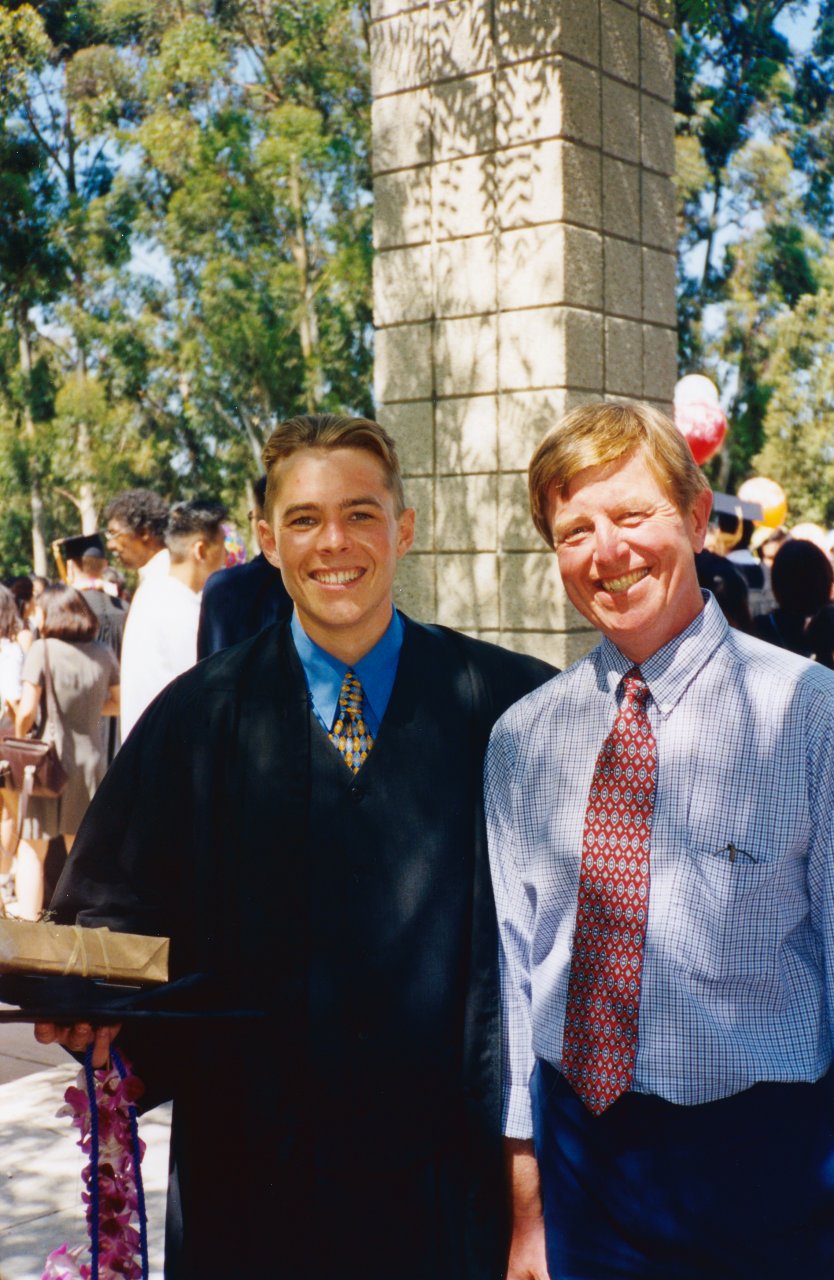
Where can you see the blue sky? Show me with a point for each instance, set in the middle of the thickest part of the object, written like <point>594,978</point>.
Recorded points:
<point>800,29</point>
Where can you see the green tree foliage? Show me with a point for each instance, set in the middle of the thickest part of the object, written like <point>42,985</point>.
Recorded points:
<point>754,147</point>
<point>184,243</point>
<point>798,447</point>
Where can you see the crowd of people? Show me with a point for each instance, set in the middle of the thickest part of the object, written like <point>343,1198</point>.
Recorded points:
<point>771,584</point>
<point>579,1022</point>
<point>81,658</point>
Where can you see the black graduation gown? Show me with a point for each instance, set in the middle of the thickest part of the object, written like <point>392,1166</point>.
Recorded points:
<point>354,1130</point>
<point>238,603</point>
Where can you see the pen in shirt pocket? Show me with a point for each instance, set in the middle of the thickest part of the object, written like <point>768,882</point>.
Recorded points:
<point>732,852</point>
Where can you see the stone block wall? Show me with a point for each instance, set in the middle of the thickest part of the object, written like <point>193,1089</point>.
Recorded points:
<point>524,263</point>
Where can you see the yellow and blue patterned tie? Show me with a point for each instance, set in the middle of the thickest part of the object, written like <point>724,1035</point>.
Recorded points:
<point>349,734</point>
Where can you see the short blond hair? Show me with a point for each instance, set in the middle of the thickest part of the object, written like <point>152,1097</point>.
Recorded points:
<point>331,431</point>
<point>596,434</point>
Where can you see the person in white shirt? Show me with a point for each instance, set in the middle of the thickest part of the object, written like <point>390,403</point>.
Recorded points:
<point>134,531</point>
<point>160,640</point>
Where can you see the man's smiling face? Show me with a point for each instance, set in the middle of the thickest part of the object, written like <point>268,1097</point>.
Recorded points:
<point>626,554</point>
<point>336,537</point>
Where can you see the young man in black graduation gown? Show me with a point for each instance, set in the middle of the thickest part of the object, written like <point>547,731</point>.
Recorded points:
<point>338,884</point>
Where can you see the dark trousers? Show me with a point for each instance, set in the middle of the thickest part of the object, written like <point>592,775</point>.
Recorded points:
<point>740,1189</point>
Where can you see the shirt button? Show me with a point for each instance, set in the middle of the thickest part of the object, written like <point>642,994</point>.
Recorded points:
<point>355,792</point>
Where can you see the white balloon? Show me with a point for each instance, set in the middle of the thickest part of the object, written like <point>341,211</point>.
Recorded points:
<point>695,387</point>
<point>809,532</point>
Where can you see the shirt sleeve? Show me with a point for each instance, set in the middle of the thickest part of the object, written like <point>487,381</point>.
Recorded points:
<point>33,664</point>
<point>821,846</point>
<point>11,667</point>
<point>515,926</point>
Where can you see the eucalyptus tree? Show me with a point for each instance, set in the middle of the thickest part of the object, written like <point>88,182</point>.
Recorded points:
<point>798,447</point>
<point>257,182</point>
<point>196,181</point>
<point>753,117</point>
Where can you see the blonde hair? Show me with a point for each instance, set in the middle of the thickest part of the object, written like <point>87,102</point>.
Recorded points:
<point>596,434</point>
<point>331,431</point>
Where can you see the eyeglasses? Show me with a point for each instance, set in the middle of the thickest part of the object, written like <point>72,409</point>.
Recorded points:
<point>113,535</point>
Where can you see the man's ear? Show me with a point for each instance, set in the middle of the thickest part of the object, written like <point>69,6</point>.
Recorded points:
<point>701,508</point>
<point>266,537</point>
<point>405,531</point>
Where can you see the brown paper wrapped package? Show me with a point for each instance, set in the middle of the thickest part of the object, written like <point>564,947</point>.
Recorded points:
<point>39,947</point>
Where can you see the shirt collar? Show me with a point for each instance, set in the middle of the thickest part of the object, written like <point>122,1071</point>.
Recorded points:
<point>671,670</point>
<point>376,671</point>
<point>157,565</point>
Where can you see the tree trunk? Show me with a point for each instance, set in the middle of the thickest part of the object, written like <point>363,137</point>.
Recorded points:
<point>308,328</point>
<point>39,564</point>
<point>254,441</point>
<point>725,462</point>
<point>86,492</point>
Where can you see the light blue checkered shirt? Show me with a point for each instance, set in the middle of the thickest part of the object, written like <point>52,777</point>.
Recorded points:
<point>738,968</point>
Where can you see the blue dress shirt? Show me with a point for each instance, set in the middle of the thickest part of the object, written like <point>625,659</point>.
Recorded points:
<point>738,966</point>
<point>376,673</point>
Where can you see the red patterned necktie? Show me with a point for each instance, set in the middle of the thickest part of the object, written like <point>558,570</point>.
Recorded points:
<point>600,1037</point>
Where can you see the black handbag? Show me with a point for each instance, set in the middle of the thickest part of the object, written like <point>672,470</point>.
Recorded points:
<point>31,765</point>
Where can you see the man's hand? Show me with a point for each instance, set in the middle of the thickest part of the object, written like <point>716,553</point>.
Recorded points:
<point>527,1255</point>
<point>527,1259</point>
<point>78,1036</point>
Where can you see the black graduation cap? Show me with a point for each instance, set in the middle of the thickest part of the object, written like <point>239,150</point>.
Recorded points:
<point>725,504</point>
<point>82,544</point>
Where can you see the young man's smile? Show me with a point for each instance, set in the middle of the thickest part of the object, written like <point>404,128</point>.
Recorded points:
<point>337,537</point>
<point>336,577</point>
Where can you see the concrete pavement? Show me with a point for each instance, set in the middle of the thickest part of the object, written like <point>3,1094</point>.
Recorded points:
<point>40,1163</point>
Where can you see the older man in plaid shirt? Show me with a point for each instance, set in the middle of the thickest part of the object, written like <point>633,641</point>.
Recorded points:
<point>662,846</point>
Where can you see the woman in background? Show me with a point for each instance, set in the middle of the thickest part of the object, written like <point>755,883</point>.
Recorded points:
<point>801,579</point>
<point>85,681</point>
<point>11,666</point>
<point>23,590</point>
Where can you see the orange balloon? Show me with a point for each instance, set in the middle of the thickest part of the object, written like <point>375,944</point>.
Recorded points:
<point>771,498</point>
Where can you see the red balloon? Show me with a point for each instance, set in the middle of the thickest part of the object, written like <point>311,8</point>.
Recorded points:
<point>704,426</point>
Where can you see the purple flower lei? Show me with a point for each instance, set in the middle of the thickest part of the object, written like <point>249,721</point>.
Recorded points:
<point>112,1178</point>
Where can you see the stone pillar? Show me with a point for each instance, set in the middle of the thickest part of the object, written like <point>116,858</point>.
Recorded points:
<point>524,230</point>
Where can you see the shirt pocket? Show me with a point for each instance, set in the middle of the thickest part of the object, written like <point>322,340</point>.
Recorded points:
<point>737,884</point>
